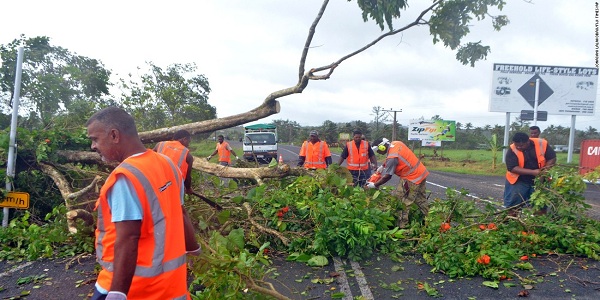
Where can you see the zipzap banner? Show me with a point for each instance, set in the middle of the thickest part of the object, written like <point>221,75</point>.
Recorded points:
<point>432,130</point>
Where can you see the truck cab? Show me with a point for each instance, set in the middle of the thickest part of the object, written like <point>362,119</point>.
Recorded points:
<point>260,143</point>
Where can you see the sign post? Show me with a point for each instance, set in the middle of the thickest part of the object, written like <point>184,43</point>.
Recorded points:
<point>12,146</point>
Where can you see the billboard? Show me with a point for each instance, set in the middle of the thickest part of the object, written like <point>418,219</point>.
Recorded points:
<point>432,130</point>
<point>562,90</point>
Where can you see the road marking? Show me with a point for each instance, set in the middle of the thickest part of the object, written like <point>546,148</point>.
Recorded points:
<point>469,195</point>
<point>362,281</point>
<point>7,273</point>
<point>342,279</point>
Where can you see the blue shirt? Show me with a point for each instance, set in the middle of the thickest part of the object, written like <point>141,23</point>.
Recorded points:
<point>123,201</point>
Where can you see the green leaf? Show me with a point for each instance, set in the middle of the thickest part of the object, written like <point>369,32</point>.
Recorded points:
<point>492,284</point>
<point>318,261</point>
<point>338,295</point>
<point>299,257</point>
<point>223,216</point>
<point>273,163</point>
<point>236,237</point>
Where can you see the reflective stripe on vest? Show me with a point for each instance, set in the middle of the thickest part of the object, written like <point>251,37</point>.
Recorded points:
<point>358,161</point>
<point>176,152</point>
<point>540,151</point>
<point>158,266</point>
<point>310,161</point>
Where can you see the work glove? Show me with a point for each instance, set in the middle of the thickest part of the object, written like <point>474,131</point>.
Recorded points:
<point>237,157</point>
<point>209,157</point>
<point>116,296</point>
<point>370,185</point>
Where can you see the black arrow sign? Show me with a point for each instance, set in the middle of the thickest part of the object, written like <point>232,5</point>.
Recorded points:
<point>527,90</point>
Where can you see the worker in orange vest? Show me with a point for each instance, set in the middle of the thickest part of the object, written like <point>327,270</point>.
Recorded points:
<point>314,153</point>
<point>405,164</point>
<point>534,132</point>
<point>178,152</point>
<point>224,151</point>
<point>526,159</point>
<point>142,234</point>
<point>358,155</point>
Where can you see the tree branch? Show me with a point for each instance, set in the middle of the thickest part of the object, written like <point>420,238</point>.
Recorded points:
<point>311,33</point>
<point>331,67</point>
<point>283,239</point>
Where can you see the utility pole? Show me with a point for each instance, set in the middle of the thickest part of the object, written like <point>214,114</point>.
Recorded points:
<point>394,124</point>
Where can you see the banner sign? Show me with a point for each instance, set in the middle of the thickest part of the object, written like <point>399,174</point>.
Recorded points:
<point>432,130</point>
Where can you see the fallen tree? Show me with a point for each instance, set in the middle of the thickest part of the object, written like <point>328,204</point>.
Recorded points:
<point>448,22</point>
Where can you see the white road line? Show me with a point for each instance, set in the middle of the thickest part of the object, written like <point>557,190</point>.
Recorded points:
<point>362,281</point>
<point>342,279</point>
<point>472,196</point>
<point>7,273</point>
<point>290,151</point>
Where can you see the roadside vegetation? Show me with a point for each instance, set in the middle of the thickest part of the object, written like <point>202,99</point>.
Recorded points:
<point>312,219</point>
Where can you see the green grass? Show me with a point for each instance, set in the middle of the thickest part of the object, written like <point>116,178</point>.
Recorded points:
<point>478,162</point>
<point>205,148</point>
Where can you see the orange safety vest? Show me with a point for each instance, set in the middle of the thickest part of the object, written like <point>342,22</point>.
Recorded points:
<point>160,271</point>
<point>315,154</point>
<point>409,166</point>
<point>224,153</point>
<point>540,151</point>
<point>176,152</point>
<point>357,158</point>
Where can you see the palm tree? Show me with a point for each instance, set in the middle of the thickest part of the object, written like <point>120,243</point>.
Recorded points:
<point>591,132</point>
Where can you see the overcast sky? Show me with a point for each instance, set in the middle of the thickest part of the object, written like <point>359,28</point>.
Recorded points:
<point>249,49</point>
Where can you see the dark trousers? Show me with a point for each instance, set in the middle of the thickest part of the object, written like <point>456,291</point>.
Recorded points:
<point>97,295</point>
<point>359,177</point>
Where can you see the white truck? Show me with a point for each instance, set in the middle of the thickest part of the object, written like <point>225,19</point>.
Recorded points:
<point>260,143</point>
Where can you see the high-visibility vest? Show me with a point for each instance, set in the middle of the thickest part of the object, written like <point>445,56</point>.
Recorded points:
<point>540,151</point>
<point>176,152</point>
<point>160,271</point>
<point>409,166</point>
<point>223,151</point>
<point>357,157</point>
<point>315,154</point>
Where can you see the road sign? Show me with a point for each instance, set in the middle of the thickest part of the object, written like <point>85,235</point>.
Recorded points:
<point>19,200</point>
<point>562,90</point>
<point>527,115</point>
<point>527,90</point>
